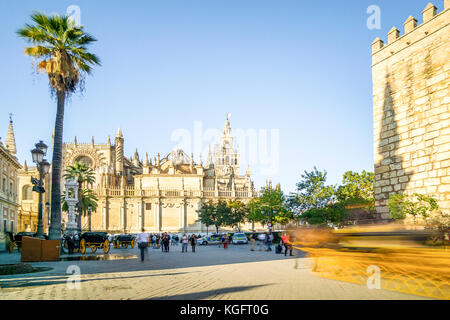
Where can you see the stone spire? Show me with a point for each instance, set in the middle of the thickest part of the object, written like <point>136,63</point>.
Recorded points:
<point>191,162</point>
<point>146,163</point>
<point>209,160</point>
<point>248,173</point>
<point>25,166</point>
<point>109,141</point>
<point>75,140</point>
<point>136,158</point>
<point>227,137</point>
<point>119,133</point>
<point>10,142</point>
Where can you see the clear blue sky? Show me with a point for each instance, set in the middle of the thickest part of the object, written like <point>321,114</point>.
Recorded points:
<point>302,67</point>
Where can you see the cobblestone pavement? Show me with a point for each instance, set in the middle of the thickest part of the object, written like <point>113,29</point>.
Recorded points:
<point>210,273</point>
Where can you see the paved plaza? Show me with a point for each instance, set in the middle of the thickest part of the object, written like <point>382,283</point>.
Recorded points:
<point>210,273</point>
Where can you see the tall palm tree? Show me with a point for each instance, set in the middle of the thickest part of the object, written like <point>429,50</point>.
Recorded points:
<point>60,50</point>
<point>83,174</point>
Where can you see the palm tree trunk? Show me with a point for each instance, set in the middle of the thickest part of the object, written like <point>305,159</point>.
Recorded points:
<point>80,210</point>
<point>55,227</point>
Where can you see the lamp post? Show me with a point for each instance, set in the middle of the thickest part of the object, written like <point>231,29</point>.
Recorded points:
<point>43,167</point>
<point>269,216</point>
<point>47,207</point>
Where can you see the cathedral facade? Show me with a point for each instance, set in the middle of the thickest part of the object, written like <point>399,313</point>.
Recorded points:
<point>159,194</point>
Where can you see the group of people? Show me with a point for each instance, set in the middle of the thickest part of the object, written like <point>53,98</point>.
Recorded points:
<point>267,239</point>
<point>186,240</point>
<point>163,241</point>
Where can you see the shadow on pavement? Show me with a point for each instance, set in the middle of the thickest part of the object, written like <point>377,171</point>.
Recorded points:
<point>43,281</point>
<point>205,294</point>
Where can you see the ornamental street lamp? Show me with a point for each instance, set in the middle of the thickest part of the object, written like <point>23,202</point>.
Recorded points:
<point>43,167</point>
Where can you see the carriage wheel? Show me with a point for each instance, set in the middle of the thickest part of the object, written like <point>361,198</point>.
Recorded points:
<point>94,248</point>
<point>11,247</point>
<point>132,244</point>
<point>83,246</point>
<point>106,246</point>
<point>117,244</point>
<point>126,245</point>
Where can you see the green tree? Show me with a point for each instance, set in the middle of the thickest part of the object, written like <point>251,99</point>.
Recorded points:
<point>312,192</point>
<point>84,175</point>
<point>415,205</point>
<point>88,198</point>
<point>59,48</point>
<point>333,213</point>
<point>357,188</point>
<point>273,203</point>
<point>208,216</point>
<point>237,213</point>
<point>254,214</point>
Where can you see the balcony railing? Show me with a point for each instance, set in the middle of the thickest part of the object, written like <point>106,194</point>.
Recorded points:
<point>130,191</point>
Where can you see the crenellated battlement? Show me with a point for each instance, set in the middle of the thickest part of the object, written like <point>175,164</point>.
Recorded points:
<point>413,33</point>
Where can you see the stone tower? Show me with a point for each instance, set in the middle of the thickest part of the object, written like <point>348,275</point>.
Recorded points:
<point>411,109</point>
<point>10,141</point>
<point>119,152</point>
<point>226,158</point>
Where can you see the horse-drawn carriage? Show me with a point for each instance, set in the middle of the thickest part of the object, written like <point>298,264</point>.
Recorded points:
<point>124,240</point>
<point>16,240</point>
<point>93,240</point>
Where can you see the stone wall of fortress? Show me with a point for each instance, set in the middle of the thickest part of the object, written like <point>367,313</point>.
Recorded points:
<point>411,109</point>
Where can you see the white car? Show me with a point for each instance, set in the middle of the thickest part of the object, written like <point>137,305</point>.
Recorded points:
<point>239,237</point>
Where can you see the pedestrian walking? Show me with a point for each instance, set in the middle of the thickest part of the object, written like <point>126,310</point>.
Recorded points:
<point>176,239</point>
<point>154,242</point>
<point>225,241</point>
<point>184,243</point>
<point>193,242</point>
<point>260,240</point>
<point>71,243</point>
<point>166,242</point>
<point>253,238</point>
<point>142,239</point>
<point>221,240</point>
<point>269,238</point>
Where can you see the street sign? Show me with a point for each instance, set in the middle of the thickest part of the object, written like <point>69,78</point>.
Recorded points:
<point>269,225</point>
<point>34,181</point>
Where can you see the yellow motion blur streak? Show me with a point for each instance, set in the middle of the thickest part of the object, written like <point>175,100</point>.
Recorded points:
<point>405,266</point>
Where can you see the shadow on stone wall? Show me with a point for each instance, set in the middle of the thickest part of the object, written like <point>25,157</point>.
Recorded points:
<point>390,174</point>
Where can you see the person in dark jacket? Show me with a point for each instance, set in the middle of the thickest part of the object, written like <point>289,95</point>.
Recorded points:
<point>193,241</point>
<point>166,242</point>
<point>70,243</point>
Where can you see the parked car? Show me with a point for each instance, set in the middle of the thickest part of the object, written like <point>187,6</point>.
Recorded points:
<point>239,237</point>
<point>213,239</point>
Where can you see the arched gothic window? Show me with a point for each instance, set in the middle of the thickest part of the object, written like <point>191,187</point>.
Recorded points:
<point>84,159</point>
<point>27,193</point>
